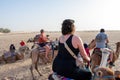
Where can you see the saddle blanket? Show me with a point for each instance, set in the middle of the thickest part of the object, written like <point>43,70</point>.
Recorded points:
<point>8,54</point>
<point>41,49</point>
<point>58,77</point>
<point>105,56</point>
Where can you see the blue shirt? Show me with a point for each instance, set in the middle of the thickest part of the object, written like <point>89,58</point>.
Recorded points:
<point>101,40</point>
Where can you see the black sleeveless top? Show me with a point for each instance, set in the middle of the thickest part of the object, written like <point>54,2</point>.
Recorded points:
<point>64,63</point>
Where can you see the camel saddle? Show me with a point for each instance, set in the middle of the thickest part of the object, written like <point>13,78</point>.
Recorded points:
<point>104,54</point>
<point>8,54</point>
<point>55,76</point>
<point>98,51</point>
<point>41,49</point>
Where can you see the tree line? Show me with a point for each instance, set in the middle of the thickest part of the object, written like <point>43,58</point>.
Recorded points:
<point>5,30</point>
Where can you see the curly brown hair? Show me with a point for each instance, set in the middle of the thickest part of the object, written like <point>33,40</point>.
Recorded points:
<point>67,26</point>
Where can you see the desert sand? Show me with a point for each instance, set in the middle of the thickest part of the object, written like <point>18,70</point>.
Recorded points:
<point>20,69</point>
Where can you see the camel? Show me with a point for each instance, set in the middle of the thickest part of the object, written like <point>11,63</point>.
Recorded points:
<point>39,53</point>
<point>96,56</point>
<point>30,40</point>
<point>34,39</point>
<point>22,51</point>
<point>18,55</point>
<point>105,73</point>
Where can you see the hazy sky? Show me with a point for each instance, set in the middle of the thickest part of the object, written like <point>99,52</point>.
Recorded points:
<point>32,15</point>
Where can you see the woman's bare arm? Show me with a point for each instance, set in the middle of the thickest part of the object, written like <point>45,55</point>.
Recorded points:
<point>77,43</point>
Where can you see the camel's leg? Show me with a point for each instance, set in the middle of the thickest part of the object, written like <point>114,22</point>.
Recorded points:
<point>31,69</point>
<point>36,66</point>
<point>34,58</point>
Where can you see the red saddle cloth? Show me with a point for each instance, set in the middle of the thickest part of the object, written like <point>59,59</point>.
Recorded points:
<point>97,49</point>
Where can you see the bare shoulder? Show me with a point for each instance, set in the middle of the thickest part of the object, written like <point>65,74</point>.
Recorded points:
<point>76,41</point>
<point>75,37</point>
<point>60,37</point>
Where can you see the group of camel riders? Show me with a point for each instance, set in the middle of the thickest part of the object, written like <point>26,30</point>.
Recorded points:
<point>43,41</point>
<point>101,40</point>
<point>64,64</point>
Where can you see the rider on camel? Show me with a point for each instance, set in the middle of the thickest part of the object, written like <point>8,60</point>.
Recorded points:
<point>102,42</point>
<point>43,40</point>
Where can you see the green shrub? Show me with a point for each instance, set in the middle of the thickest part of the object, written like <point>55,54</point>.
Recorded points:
<point>4,30</point>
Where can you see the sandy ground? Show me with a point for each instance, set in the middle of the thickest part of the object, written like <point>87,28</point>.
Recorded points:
<point>20,69</point>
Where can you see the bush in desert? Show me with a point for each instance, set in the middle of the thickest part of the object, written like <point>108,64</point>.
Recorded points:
<point>5,30</point>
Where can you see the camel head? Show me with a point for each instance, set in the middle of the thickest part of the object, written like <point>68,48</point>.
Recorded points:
<point>117,52</point>
<point>35,46</point>
<point>103,73</point>
<point>36,38</point>
<point>118,47</point>
<point>117,75</point>
<point>30,40</point>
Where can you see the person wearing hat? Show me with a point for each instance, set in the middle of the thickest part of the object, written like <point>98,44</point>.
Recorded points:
<point>64,63</point>
<point>22,43</point>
